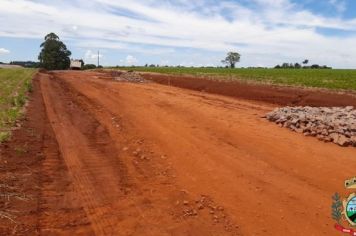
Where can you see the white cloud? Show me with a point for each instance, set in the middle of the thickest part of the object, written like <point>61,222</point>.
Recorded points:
<point>131,60</point>
<point>4,51</point>
<point>272,31</point>
<point>89,54</point>
<point>91,57</point>
<point>339,5</point>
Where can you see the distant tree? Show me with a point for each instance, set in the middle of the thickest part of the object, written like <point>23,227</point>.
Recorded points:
<point>285,65</point>
<point>231,59</point>
<point>54,54</point>
<point>299,66</point>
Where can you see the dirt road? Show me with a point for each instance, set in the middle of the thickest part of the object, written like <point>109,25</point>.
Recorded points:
<point>148,159</point>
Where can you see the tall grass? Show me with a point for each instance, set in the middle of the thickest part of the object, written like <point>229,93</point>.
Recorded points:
<point>15,84</point>
<point>318,78</point>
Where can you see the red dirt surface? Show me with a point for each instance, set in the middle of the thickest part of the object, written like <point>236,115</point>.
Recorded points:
<point>280,95</point>
<point>100,157</point>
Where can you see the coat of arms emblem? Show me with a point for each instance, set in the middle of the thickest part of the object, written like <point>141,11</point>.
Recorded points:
<point>345,210</point>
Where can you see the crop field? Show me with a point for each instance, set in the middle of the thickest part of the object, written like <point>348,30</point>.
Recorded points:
<point>316,78</point>
<point>14,84</point>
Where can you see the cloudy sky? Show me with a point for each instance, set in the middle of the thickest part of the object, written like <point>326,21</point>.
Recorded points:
<point>184,32</point>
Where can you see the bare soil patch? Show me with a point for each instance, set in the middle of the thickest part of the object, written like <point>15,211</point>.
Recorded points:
<point>34,178</point>
<point>279,95</point>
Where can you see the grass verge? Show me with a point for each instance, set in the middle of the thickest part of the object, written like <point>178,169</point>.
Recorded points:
<point>15,84</point>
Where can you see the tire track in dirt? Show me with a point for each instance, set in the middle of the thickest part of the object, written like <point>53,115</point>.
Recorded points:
<point>33,169</point>
<point>120,180</point>
<point>89,167</point>
<point>110,100</point>
<point>60,212</point>
<point>221,147</point>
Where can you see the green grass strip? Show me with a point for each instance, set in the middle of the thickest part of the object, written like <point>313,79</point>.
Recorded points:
<point>15,84</point>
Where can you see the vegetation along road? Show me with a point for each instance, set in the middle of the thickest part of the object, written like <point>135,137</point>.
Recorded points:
<point>317,78</point>
<point>14,84</point>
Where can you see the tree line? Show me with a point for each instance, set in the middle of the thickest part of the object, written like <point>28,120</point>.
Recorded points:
<point>26,64</point>
<point>303,65</point>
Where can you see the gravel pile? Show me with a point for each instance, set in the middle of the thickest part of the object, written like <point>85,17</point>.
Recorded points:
<point>129,76</point>
<point>334,124</point>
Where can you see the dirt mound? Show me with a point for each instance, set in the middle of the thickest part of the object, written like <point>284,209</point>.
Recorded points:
<point>123,76</point>
<point>129,76</point>
<point>280,95</point>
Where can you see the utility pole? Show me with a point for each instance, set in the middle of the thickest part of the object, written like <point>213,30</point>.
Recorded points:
<point>98,58</point>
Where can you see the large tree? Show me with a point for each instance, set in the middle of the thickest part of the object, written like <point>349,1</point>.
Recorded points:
<point>231,59</point>
<point>54,54</point>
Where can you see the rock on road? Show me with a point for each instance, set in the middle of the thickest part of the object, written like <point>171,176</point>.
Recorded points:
<point>149,159</point>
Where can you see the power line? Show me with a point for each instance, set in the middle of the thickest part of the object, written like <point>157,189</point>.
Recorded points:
<point>98,58</point>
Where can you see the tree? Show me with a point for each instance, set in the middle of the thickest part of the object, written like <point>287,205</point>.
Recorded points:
<point>231,59</point>
<point>89,67</point>
<point>285,65</point>
<point>54,54</point>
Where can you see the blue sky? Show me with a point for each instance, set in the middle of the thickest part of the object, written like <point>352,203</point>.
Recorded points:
<point>184,32</point>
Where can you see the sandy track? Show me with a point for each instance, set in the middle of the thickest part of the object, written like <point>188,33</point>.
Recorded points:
<point>148,159</point>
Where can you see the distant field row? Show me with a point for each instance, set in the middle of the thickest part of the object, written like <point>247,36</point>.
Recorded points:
<point>319,78</point>
<point>14,84</point>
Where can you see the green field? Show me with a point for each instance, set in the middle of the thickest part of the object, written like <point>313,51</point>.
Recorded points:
<point>317,78</point>
<point>14,86</point>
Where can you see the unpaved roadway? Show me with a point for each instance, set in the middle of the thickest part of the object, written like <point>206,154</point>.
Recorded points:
<point>149,159</point>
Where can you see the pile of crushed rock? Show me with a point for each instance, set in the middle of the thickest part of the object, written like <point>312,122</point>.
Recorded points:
<point>129,76</point>
<point>329,124</point>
